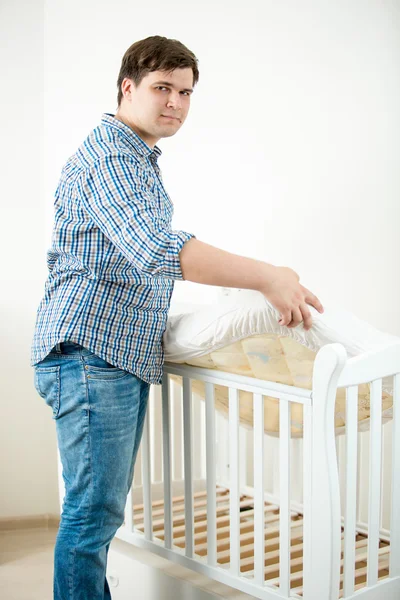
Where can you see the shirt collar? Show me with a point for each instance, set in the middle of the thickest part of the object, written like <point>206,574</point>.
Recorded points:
<point>140,145</point>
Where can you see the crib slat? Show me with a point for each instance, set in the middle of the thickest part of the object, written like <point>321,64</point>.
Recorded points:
<point>211,476</point>
<point>284,484</point>
<point>234,479</point>
<point>156,433</point>
<point>196,440</point>
<point>394,568</point>
<point>374,480</point>
<point>307,491</point>
<point>166,463</point>
<point>177,434</point>
<point>351,490</point>
<point>259,517</point>
<point>188,458</point>
<point>146,469</point>
<point>129,512</point>
<point>137,473</point>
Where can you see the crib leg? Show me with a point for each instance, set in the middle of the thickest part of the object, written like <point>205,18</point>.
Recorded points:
<point>322,514</point>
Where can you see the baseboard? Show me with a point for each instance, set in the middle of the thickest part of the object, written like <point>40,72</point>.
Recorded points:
<point>47,521</point>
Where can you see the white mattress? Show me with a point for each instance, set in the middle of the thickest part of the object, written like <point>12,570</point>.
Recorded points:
<point>242,335</point>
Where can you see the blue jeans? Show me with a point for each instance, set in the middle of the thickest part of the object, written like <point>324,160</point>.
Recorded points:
<point>99,411</point>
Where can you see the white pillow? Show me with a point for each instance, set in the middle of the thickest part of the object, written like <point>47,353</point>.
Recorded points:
<point>246,313</point>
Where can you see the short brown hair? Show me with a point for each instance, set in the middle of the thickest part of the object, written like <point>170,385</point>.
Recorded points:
<point>155,53</point>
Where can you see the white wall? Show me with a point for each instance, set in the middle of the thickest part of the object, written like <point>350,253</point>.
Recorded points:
<point>290,154</point>
<point>28,461</point>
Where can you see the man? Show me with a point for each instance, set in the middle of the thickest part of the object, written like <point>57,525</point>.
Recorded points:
<point>98,339</point>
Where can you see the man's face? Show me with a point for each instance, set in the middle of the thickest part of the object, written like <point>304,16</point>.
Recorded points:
<point>158,107</point>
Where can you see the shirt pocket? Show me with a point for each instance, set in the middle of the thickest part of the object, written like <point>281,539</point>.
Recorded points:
<point>47,384</point>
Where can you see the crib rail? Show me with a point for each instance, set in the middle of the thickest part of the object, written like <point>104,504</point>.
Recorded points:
<point>268,545</point>
<point>373,367</point>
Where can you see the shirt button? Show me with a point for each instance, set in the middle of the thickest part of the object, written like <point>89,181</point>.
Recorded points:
<point>86,367</point>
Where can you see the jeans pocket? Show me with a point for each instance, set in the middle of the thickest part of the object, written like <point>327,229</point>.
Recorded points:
<point>47,384</point>
<point>98,368</point>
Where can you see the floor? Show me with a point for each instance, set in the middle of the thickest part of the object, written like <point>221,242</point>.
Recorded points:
<point>26,572</point>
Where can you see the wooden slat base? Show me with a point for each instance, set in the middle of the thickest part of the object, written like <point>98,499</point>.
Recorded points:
<point>271,534</point>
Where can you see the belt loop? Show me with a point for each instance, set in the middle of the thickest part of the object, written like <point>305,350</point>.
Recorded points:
<point>58,347</point>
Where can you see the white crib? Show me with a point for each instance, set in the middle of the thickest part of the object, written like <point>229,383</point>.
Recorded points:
<point>274,517</point>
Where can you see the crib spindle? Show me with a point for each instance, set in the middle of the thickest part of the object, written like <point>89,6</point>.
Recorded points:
<point>146,479</point>
<point>234,480</point>
<point>177,435</point>
<point>374,481</point>
<point>211,477</point>
<point>129,512</point>
<point>307,491</point>
<point>166,463</point>
<point>259,517</point>
<point>284,492</point>
<point>394,567</point>
<point>156,427</point>
<point>188,460</point>
<point>351,490</point>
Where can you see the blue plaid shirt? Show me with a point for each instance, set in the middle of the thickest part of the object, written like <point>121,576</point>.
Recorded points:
<point>114,257</point>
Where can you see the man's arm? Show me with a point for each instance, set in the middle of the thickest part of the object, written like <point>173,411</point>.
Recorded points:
<point>113,193</point>
<point>207,264</point>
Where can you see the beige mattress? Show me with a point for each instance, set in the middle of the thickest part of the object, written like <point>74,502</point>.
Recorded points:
<point>216,339</point>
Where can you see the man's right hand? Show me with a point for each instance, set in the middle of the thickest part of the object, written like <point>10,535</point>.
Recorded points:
<point>290,298</point>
